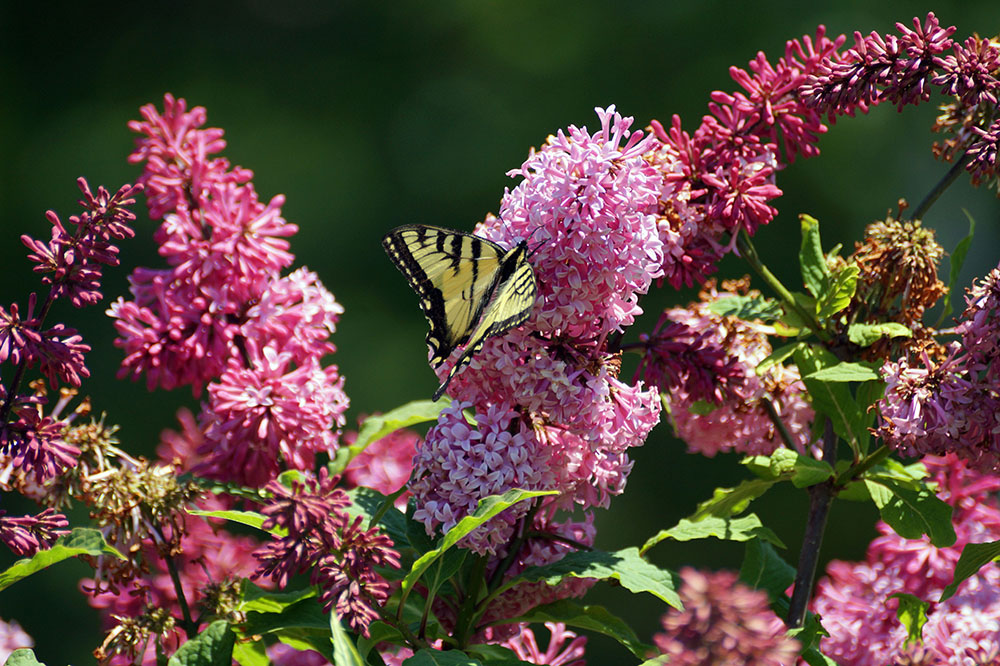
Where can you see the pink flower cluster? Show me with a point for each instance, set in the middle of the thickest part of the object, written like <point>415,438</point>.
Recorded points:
<point>71,264</point>
<point>12,637</point>
<point>952,404</point>
<point>322,537</point>
<point>854,599</point>
<point>728,414</point>
<point>720,179</point>
<point>723,622</point>
<point>26,535</point>
<point>551,412</point>
<point>222,311</point>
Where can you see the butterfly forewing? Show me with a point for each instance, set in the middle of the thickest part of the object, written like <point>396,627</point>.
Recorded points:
<point>470,288</point>
<point>453,273</point>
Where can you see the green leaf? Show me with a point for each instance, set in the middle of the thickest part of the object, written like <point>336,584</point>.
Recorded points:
<point>815,272</point>
<point>833,399</point>
<point>378,632</point>
<point>23,657</point>
<point>957,259</point>
<point>345,652</point>
<point>912,614</point>
<point>80,541</point>
<point>911,509</point>
<point>212,647</point>
<point>369,503</point>
<point>778,356</point>
<point>974,556</point>
<point>494,655</point>
<point>250,653</point>
<point>748,308</point>
<point>251,518</point>
<point>786,464</point>
<point>304,616</point>
<point>255,598</point>
<point>589,618</point>
<point>377,427</point>
<point>809,633</point>
<point>839,293</point>
<point>845,372</point>
<point>764,569</point>
<point>865,335</point>
<point>814,657</point>
<point>744,528</point>
<point>727,502</point>
<point>487,508</point>
<point>626,566</point>
<point>792,319</point>
<point>702,407</point>
<point>429,657</point>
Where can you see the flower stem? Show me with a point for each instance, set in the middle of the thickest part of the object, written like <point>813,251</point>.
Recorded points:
<point>749,252</point>
<point>942,185</point>
<point>772,413</point>
<point>820,498</point>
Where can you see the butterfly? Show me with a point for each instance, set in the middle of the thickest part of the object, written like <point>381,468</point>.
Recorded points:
<point>470,288</point>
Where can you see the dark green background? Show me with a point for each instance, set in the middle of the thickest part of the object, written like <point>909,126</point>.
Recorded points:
<point>372,114</point>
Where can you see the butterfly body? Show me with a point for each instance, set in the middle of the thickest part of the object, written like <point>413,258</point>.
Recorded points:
<point>470,288</point>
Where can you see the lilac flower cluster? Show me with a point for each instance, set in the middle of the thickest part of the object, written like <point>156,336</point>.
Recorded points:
<point>322,536</point>
<point>952,404</point>
<point>551,412</point>
<point>222,312</point>
<point>720,179</point>
<point>723,409</point>
<point>855,601</point>
<point>71,263</point>
<point>723,622</point>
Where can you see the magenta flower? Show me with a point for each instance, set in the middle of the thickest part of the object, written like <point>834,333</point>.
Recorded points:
<point>270,416</point>
<point>565,648</point>
<point>26,535</point>
<point>322,536</point>
<point>723,622</point>
<point>854,598</point>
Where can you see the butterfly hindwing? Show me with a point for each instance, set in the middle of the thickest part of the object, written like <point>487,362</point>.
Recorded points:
<point>470,288</point>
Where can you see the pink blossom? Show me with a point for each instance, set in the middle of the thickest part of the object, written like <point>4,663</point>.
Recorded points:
<point>12,637</point>
<point>26,535</point>
<point>723,622</point>
<point>565,648</point>
<point>385,465</point>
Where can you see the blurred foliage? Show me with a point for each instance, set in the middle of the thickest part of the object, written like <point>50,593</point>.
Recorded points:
<point>367,115</point>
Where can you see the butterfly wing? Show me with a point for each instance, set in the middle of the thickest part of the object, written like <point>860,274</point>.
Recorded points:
<point>453,274</point>
<point>470,288</point>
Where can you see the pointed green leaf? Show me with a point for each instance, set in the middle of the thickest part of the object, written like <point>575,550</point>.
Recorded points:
<point>814,657</point>
<point>626,566</point>
<point>957,259</point>
<point>802,471</point>
<point>250,653</point>
<point>845,372</point>
<point>792,319</point>
<point>973,558</point>
<point>743,528</point>
<point>345,652</point>
<point>80,541</point>
<point>487,508</point>
<point>372,504</point>
<point>429,657</point>
<point>733,501</point>
<point>377,427</point>
<point>588,618</point>
<point>23,657</point>
<point>212,647</point>
<point>839,293</point>
<point>912,614</point>
<point>833,399</point>
<point>255,598</point>
<point>251,518</point>
<point>304,616</point>
<point>764,569</point>
<point>865,335</point>
<point>777,357</point>
<point>378,632</point>
<point>815,272</point>
<point>911,509</point>
<point>747,308</point>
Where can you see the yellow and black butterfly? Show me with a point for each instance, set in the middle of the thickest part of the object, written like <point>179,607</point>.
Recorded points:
<point>470,288</point>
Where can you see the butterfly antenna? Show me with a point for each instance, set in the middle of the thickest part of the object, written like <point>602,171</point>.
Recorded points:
<point>537,247</point>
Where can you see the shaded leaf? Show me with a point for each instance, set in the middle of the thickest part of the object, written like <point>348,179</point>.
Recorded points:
<point>377,427</point>
<point>973,558</point>
<point>80,541</point>
<point>212,647</point>
<point>748,308</point>
<point>833,399</point>
<point>957,260</point>
<point>764,569</point>
<point>911,509</point>
<point>378,632</point>
<point>589,618</point>
<point>865,335</point>
<point>626,566</point>
<point>743,528</point>
<point>372,504</point>
<point>256,598</point>
<point>815,272</point>
<point>428,657</point>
